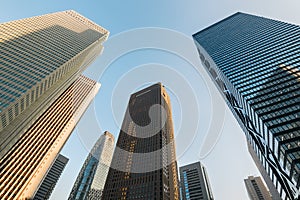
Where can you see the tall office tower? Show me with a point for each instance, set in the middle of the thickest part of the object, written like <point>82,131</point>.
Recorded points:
<point>92,176</point>
<point>144,162</point>
<point>24,166</point>
<point>49,182</point>
<point>40,57</point>
<point>256,189</point>
<point>194,182</point>
<point>254,62</point>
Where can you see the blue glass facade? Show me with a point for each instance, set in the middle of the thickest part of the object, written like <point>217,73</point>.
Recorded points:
<point>254,62</point>
<point>86,178</point>
<point>186,186</point>
<point>92,176</point>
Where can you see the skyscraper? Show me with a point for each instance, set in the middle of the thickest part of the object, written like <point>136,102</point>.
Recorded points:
<point>194,182</point>
<point>49,182</point>
<point>256,189</point>
<point>144,162</point>
<point>25,165</point>
<point>92,176</point>
<point>254,62</point>
<point>40,57</point>
<point>42,93</point>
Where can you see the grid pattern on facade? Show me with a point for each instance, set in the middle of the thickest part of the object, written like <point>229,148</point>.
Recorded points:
<point>37,52</point>
<point>49,182</point>
<point>92,176</point>
<point>43,139</point>
<point>131,176</point>
<point>256,189</point>
<point>271,187</point>
<point>255,65</point>
<point>194,182</point>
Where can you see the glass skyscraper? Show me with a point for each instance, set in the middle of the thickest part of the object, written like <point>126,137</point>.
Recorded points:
<point>254,62</point>
<point>40,57</point>
<point>92,176</point>
<point>43,94</point>
<point>194,182</point>
<point>144,162</point>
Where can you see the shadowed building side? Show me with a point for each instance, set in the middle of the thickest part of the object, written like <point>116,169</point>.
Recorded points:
<point>194,182</point>
<point>46,187</point>
<point>144,163</point>
<point>40,57</point>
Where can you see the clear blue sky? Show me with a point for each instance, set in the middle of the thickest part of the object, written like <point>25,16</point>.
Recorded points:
<point>229,162</point>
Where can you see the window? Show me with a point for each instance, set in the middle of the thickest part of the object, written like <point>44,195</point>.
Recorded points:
<point>22,104</point>
<point>27,100</point>
<point>17,109</point>
<point>3,120</point>
<point>10,115</point>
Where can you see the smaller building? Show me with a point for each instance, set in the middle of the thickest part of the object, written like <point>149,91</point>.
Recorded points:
<point>46,187</point>
<point>194,182</point>
<point>256,189</point>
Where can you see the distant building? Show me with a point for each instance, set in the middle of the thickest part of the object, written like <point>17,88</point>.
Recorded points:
<point>49,182</point>
<point>92,176</point>
<point>256,189</point>
<point>194,182</point>
<point>144,163</point>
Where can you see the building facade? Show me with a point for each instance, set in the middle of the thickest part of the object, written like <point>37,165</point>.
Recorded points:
<point>92,176</point>
<point>42,93</point>
<point>272,189</point>
<point>40,57</point>
<point>25,165</point>
<point>256,189</point>
<point>254,63</point>
<point>194,182</point>
<point>144,162</point>
<point>49,182</point>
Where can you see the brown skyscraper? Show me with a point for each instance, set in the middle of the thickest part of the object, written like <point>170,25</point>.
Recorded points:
<point>144,163</point>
